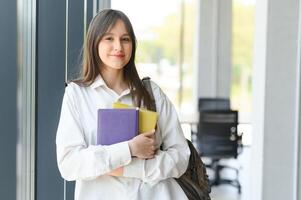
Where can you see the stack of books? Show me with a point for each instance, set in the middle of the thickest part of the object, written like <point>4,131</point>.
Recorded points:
<point>123,122</point>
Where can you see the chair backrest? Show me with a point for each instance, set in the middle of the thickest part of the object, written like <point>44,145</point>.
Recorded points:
<point>217,133</point>
<point>214,104</point>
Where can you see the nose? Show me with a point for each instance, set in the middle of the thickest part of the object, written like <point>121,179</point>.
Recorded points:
<point>117,45</point>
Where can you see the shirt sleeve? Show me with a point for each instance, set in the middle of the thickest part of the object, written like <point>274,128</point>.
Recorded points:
<point>172,160</point>
<point>77,160</point>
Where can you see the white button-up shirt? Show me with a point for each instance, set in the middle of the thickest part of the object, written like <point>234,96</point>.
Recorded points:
<point>80,159</point>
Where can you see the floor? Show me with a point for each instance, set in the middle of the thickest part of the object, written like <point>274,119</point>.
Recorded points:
<point>228,192</point>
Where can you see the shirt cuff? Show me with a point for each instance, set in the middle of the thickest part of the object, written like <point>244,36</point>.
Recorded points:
<point>120,154</point>
<point>135,169</point>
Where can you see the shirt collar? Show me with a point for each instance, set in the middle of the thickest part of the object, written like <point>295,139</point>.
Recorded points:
<point>98,82</point>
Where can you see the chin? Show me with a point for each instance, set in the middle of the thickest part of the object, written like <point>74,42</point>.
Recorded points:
<point>115,65</point>
<point>118,67</point>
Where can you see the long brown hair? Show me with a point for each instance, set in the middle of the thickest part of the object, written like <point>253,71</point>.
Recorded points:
<point>91,62</point>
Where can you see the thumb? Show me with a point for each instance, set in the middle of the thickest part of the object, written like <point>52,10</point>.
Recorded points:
<point>149,133</point>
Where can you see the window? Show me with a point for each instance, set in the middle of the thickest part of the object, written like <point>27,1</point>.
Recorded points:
<point>165,34</point>
<point>242,57</point>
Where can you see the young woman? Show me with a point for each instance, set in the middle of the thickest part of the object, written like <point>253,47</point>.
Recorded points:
<point>135,169</point>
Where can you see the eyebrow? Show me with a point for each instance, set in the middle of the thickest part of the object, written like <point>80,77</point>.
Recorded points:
<point>125,34</point>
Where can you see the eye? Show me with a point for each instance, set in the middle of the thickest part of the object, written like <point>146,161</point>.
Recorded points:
<point>126,39</point>
<point>108,38</point>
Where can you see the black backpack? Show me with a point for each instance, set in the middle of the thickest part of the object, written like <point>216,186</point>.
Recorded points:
<point>194,181</point>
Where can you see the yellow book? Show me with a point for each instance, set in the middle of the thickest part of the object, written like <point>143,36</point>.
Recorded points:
<point>147,118</point>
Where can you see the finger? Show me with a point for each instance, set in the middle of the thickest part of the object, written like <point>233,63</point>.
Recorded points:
<point>152,141</point>
<point>152,136</point>
<point>149,133</point>
<point>152,152</point>
<point>150,156</point>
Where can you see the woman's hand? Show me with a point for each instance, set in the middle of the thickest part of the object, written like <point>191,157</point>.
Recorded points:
<point>143,145</point>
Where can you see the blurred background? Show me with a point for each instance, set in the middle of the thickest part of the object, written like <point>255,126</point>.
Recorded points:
<point>244,51</point>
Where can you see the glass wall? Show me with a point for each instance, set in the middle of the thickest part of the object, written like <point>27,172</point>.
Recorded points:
<point>242,57</point>
<point>243,16</point>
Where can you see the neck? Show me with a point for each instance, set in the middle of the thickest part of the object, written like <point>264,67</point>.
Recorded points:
<point>114,79</point>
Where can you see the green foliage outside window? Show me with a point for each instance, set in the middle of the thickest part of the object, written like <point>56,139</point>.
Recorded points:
<point>165,41</point>
<point>242,55</point>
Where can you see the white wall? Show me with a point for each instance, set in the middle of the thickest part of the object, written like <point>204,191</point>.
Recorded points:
<point>275,103</point>
<point>214,48</point>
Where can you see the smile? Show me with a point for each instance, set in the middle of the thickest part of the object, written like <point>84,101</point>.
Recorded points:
<point>118,55</point>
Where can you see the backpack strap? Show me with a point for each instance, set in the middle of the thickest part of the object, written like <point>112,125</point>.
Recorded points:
<point>147,84</point>
<point>194,181</point>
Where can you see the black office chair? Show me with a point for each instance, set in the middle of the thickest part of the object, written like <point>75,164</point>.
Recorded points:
<point>217,137</point>
<point>214,104</point>
<point>207,103</point>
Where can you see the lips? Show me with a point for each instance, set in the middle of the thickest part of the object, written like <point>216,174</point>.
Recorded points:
<point>119,55</point>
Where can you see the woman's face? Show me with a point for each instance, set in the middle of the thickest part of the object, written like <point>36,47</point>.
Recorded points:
<point>115,47</point>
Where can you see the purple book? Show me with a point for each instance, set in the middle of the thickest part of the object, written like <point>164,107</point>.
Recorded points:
<point>116,125</point>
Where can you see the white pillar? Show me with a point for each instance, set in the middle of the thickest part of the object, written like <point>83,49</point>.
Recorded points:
<point>214,48</point>
<point>275,101</point>
<point>102,4</point>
